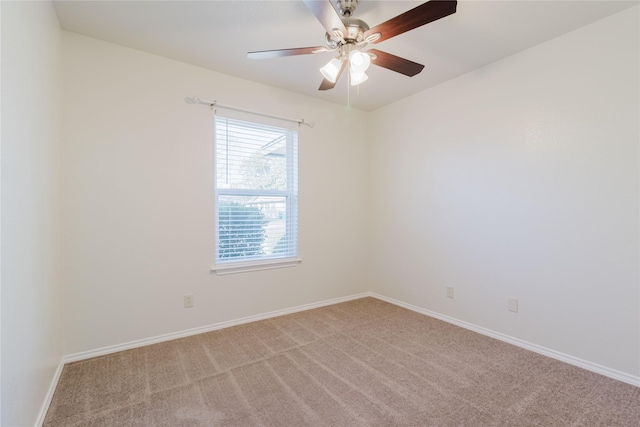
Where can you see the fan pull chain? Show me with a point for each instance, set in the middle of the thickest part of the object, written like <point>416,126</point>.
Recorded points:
<point>349,90</point>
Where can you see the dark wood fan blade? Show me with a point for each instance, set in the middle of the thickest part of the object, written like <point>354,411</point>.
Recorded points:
<point>327,15</point>
<point>326,84</point>
<point>395,63</point>
<point>278,53</point>
<point>414,18</point>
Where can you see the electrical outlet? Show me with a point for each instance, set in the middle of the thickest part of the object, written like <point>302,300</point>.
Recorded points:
<point>188,300</point>
<point>449,291</point>
<point>513,304</point>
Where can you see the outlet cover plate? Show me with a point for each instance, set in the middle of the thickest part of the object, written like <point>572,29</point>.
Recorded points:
<point>188,301</point>
<point>449,291</point>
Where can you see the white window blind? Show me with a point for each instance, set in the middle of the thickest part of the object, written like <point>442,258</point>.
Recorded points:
<point>256,192</point>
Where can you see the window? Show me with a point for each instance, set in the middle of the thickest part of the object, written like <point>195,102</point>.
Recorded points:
<point>256,195</point>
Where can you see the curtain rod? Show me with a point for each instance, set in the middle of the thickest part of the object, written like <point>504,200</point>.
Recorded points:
<point>196,100</point>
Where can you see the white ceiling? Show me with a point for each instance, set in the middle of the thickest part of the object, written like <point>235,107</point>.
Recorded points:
<point>218,34</point>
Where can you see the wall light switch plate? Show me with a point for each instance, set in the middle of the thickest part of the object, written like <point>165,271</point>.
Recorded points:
<point>513,304</point>
<point>449,291</point>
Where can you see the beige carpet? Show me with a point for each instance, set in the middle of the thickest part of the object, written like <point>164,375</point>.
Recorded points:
<point>359,363</point>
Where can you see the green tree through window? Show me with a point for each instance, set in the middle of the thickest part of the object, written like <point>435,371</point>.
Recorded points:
<point>241,230</point>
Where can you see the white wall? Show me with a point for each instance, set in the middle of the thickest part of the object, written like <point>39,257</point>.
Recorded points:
<point>31,291</point>
<point>138,198</point>
<point>521,180</point>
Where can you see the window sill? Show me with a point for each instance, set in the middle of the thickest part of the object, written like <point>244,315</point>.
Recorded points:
<point>242,267</point>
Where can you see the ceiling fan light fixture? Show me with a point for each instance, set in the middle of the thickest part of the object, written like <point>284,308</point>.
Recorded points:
<point>359,61</point>
<point>358,78</point>
<point>331,70</point>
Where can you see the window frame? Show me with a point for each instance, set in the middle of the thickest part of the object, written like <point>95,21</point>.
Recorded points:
<point>290,195</point>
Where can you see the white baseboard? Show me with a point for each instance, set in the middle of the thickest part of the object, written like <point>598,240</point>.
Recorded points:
<point>47,400</point>
<point>199,330</point>
<point>593,367</point>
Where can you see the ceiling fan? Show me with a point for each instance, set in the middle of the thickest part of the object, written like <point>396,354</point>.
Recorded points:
<point>349,36</point>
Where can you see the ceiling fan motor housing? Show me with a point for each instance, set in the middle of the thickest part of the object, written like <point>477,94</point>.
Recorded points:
<point>355,29</point>
<point>355,34</point>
